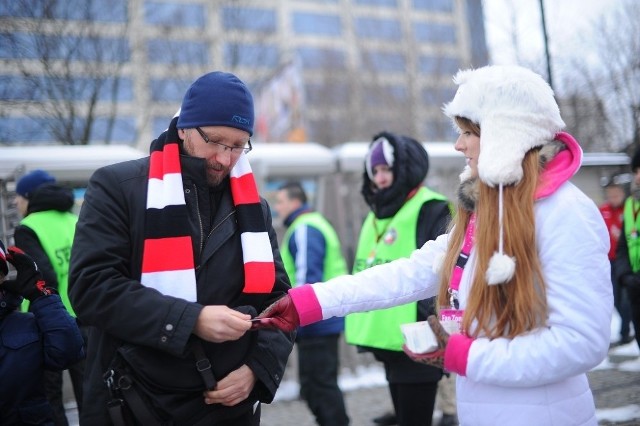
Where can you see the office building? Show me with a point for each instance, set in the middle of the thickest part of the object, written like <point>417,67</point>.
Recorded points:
<point>355,66</point>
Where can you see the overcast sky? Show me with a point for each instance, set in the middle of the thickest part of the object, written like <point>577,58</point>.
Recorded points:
<point>568,23</point>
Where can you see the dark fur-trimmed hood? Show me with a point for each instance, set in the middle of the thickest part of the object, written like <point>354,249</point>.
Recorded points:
<point>410,168</point>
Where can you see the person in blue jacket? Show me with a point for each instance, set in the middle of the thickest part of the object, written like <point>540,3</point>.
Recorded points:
<point>47,338</point>
<point>311,252</point>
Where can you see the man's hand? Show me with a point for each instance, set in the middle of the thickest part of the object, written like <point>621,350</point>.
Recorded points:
<point>220,324</point>
<point>280,315</point>
<point>28,282</point>
<point>435,358</point>
<point>233,389</point>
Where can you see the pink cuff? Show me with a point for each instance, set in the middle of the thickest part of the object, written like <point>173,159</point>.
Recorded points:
<point>306,303</point>
<point>456,354</point>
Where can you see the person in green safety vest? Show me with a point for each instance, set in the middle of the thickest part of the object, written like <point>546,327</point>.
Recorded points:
<point>46,232</point>
<point>311,252</point>
<point>627,260</point>
<point>404,215</point>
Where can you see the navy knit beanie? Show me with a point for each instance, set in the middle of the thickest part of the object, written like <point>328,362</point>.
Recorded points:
<point>217,99</point>
<point>28,183</point>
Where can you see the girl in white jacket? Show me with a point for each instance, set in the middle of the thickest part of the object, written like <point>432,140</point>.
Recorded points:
<point>523,275</point>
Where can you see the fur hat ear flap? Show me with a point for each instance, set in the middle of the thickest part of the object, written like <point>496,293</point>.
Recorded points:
<point>504,142</point>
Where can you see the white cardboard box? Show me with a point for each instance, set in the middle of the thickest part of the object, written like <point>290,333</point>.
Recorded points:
<point>419,337</point>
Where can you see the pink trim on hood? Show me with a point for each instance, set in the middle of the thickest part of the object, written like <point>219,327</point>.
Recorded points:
<point>561,168</point>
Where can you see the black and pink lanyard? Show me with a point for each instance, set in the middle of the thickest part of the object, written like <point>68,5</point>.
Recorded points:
<point>456,274</point>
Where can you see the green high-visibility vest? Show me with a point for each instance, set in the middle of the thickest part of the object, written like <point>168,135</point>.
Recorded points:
<point>334,263</point>
<point>55,231</point>
<point>632,232</point>
<point>381,241</point>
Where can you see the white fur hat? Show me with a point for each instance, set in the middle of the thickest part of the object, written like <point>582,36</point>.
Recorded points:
<point>516,111</point>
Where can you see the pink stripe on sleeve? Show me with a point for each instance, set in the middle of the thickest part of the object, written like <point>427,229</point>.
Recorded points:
<point>306,303</point>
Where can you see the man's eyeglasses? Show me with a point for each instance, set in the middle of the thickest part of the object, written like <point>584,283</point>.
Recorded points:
<point>235,150</point>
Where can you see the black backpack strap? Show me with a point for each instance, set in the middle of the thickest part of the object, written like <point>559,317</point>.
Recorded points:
<point>115,405</point>
<point>203,365</point>
<point>125,400</point>
<point>136,404</point>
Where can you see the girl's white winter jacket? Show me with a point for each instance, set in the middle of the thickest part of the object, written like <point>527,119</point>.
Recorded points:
<point>534,379</point>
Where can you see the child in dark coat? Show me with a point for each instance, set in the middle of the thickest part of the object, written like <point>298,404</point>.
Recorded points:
<point>46,338</point>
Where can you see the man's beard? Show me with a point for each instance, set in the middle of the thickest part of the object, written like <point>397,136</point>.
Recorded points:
<point>215,179</point>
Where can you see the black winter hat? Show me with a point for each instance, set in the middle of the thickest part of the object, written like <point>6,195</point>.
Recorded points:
<point>410,167</point>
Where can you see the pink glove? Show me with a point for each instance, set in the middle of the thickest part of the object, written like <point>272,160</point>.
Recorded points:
<point>281,315</point>
<point>435,358</point>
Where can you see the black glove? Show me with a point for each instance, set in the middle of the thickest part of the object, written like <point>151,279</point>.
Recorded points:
<point>630,280</point>
<point>29,282</point>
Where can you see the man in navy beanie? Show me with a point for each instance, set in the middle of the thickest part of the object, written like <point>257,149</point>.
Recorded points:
<point>173,255</point>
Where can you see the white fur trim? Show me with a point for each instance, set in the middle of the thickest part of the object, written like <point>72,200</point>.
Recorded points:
<point>516,111</point>
<point>466,174</point>
<point>387,151</point>
<point>501,269</point>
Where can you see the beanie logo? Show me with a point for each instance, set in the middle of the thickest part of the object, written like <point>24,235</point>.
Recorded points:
<point>240,120</point>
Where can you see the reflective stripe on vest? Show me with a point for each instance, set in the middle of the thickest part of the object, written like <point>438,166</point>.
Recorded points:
<point>333,265</point>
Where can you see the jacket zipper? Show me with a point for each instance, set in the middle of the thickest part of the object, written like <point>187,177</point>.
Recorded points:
<point>195,190</point>
<point>202,239</point>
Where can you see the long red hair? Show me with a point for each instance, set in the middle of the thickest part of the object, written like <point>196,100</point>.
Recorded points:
<point>520,305</point>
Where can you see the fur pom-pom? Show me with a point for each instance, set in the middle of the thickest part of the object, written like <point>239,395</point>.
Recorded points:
<point>436,266</point>
<point>501,269</point>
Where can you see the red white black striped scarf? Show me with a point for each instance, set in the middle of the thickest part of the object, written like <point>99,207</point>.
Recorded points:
<point>167,260</point>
